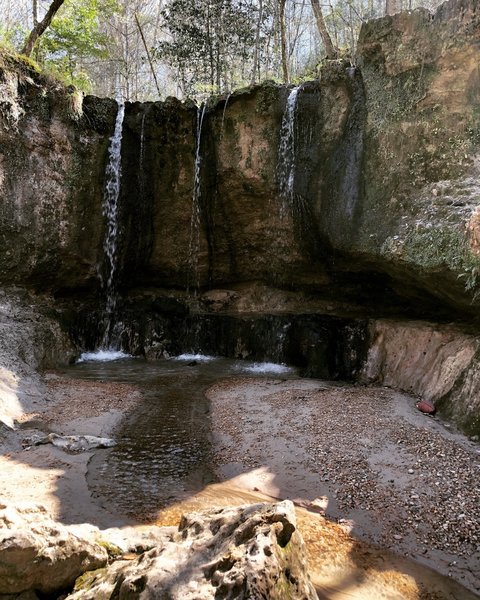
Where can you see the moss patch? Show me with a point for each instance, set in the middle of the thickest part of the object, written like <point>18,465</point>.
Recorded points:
<point>437,248</point>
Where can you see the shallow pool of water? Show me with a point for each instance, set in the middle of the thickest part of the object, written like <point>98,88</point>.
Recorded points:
<point>163,451</point>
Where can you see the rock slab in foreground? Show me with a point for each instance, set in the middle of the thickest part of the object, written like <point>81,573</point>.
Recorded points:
<point>249,552</point>
<point>37,553</point>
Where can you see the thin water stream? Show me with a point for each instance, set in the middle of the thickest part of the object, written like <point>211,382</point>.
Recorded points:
<point>193,282</point>
<point>163,451</point>
<point>113,175</point>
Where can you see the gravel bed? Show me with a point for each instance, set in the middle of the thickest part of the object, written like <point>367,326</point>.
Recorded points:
<point>397,477</point>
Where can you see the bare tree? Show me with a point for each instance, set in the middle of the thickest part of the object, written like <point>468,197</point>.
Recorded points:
<point>41,26</point>
<point>283,40</point>
<point>257,42</point>
<point>35,12</point>
<point>330,49</point>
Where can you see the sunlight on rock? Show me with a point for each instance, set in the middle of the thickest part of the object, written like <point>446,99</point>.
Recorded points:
<point>10,405</point>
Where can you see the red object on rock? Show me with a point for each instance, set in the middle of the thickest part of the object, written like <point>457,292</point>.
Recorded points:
<point>425,407</point>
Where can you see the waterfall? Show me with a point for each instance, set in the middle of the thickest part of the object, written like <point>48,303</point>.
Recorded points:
<point>294,170</point>
<point>224,109</point>
<point>141,159</point>
<point>113,175</point>
<point>194,246</point>
<point>286,153</point>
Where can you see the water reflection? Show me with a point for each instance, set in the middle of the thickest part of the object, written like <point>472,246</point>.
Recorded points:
<point>163,452</point>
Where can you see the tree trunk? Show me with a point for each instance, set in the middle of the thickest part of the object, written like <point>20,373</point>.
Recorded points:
<point>330,49</point>
<point>393,6</point>
<point>257,43</point>
<point>40,27</point>
<point>149,56</point>
<point>283,41</point>
<point>35,12</point>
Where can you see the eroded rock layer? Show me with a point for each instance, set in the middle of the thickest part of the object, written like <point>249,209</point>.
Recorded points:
<point>354,199</point>
<point>252,551</point>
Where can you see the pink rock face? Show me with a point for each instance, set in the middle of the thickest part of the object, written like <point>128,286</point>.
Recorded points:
<point>425,407</point>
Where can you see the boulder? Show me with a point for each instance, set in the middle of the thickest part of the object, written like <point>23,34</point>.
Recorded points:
<point>37,553</point>
<point>243,552</point>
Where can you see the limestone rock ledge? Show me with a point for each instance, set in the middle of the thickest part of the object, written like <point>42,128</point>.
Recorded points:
<point>252,551</point>
<point>38,554</point>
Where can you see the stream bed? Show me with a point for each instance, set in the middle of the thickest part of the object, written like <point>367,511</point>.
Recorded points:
<point>208,431</point>
<point>164,446</point>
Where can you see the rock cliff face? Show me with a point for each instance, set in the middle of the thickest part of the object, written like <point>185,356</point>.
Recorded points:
<point>52,160</point>
<point>354,196</point>
<point>421,170</point>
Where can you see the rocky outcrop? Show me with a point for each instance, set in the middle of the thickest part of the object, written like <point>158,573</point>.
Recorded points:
<point>73,443</point>
<point>52,161</point>
<point>245,552</point>
<point>437,363</point>
<point>31,339</point>
<point>38,554</point>
<point>381,219</point>
<point>420,205</point>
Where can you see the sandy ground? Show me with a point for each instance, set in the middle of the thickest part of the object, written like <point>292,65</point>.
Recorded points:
<point>47,475</point>
<point>344,453</point>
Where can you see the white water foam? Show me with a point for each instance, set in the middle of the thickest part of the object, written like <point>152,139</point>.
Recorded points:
<point>197,357</point>
<point>103,356</point>
<point>266,367</point>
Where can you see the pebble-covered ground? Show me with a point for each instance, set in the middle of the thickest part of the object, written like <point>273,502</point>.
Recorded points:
<point>364,456</point>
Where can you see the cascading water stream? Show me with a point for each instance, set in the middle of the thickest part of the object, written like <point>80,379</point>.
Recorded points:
<point>194,246</point>
<point>224,109</point>
<point>286,153</point>
<point>141,160</point>
<point>113,175</point>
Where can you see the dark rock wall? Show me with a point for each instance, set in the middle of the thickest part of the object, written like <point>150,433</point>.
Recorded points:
<point>52,158</point>
<point>383,218</point>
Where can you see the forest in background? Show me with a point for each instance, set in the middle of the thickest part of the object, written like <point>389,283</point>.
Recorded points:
<point>149,49</point>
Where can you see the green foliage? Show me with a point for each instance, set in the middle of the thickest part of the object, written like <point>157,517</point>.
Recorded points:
<point>74,36</point>
<point>12,38</point>
<point>208,39</point>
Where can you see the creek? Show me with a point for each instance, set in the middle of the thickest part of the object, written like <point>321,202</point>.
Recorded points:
<point>163,451</point>
<point>208,432</point>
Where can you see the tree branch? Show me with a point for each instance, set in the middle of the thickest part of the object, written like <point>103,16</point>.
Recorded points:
<point>40,27</point>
